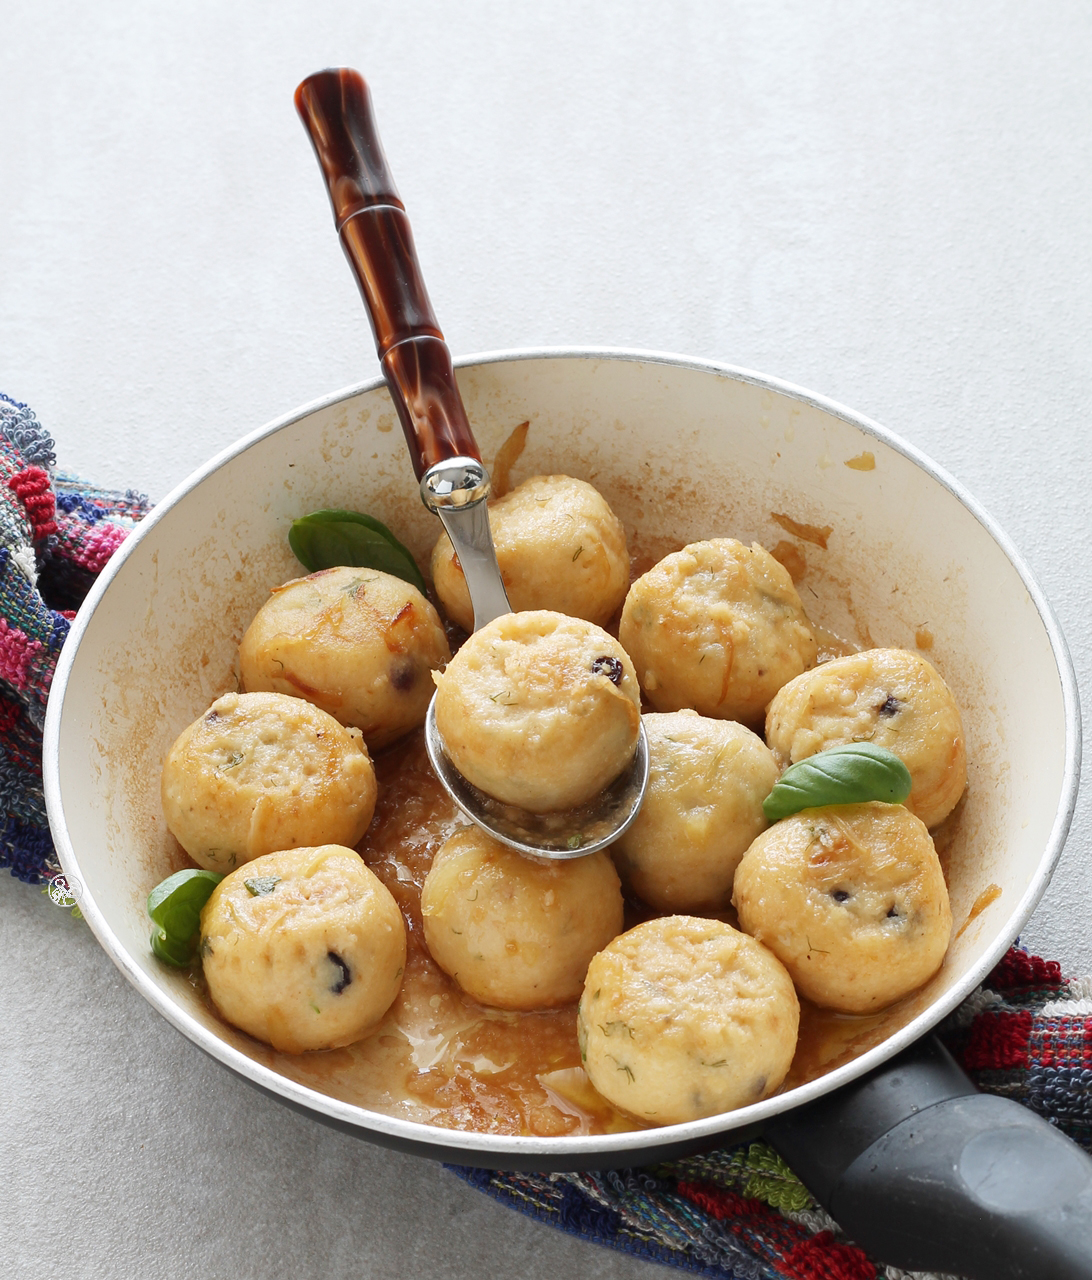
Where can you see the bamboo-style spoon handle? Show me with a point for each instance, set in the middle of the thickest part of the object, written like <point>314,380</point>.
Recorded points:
<point>371,222</point>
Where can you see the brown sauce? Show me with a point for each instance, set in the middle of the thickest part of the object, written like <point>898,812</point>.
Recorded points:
<point>791,558</point>
<point>828,1040</point>
<point>988,896</point>
<point>813,533</point>
<point>468,1066</point>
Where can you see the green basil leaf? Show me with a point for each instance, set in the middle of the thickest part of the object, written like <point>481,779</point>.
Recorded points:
<point>850,774</point>
<point>259,886</point>
<point>167,949</point>
<point>329,539</point>
<point>175,906</point>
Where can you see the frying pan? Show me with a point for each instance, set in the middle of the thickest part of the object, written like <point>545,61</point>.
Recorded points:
<point>880,1123</point>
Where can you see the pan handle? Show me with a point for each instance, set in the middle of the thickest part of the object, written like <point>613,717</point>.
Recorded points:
<point>926,1173</point>
<point>371,222</point>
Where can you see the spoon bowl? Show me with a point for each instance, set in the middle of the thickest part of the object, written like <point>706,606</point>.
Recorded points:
<point>569,833</point>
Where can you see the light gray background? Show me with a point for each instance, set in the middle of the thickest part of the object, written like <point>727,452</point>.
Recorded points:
<point>888,204</point>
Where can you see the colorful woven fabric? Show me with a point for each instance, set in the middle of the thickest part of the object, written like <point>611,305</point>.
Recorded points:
<point>740,1212</point>
<point>55,536</point>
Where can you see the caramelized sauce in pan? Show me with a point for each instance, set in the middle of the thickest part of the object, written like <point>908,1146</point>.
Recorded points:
<point>471,1067</point>
<point>988,896</point>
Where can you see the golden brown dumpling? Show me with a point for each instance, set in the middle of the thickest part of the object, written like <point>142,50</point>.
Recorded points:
<point>707,780</point>
<point>559,547</point>
<point>513,931</point>
<point>260,772</point>
<point>539,710</point>
<point>683,1018</point>
<point>717,627</point>
<point>358,643</point>
<point>303,949</point>
<point>890,697</point>
<point>851,899</point>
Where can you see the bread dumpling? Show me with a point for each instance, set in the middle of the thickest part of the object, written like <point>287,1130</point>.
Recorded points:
<point>517,932</point>
<point>303,949</point>
<point>559,547</point>
<point>893,698</point>
<point>717,627</point>
<point>707,781</point>
<point>358,643</point>
<point>260,772</point>
<point>851,899</point>
<point>683,1018</point>
<point>539,710</point>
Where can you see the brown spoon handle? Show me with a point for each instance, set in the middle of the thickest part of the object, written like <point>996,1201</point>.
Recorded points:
<point>371,221</point>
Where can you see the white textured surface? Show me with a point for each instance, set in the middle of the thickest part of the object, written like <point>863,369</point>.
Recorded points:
<point>888,204</point>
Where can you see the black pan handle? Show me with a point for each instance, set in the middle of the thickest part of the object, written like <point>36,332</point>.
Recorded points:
<point>927,1174</point>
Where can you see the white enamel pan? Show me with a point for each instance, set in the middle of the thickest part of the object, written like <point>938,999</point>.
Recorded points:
<point>682,450</point>
<point>896,554</point>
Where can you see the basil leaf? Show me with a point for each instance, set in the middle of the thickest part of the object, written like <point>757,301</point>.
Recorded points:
<point>850,774</point>
<point>329,539</point>
<point>175,906</point>
<point>167,949</point>
<point>259,886</point>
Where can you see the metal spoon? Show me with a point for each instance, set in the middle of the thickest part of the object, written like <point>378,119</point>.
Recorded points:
<point>371,221</point>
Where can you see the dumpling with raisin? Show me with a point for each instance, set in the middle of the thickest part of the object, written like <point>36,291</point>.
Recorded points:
<point>539,710</point>
<point>358,643</point>
<point>303,949</point>
<point>851,899</point>
<point>893,698</point>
